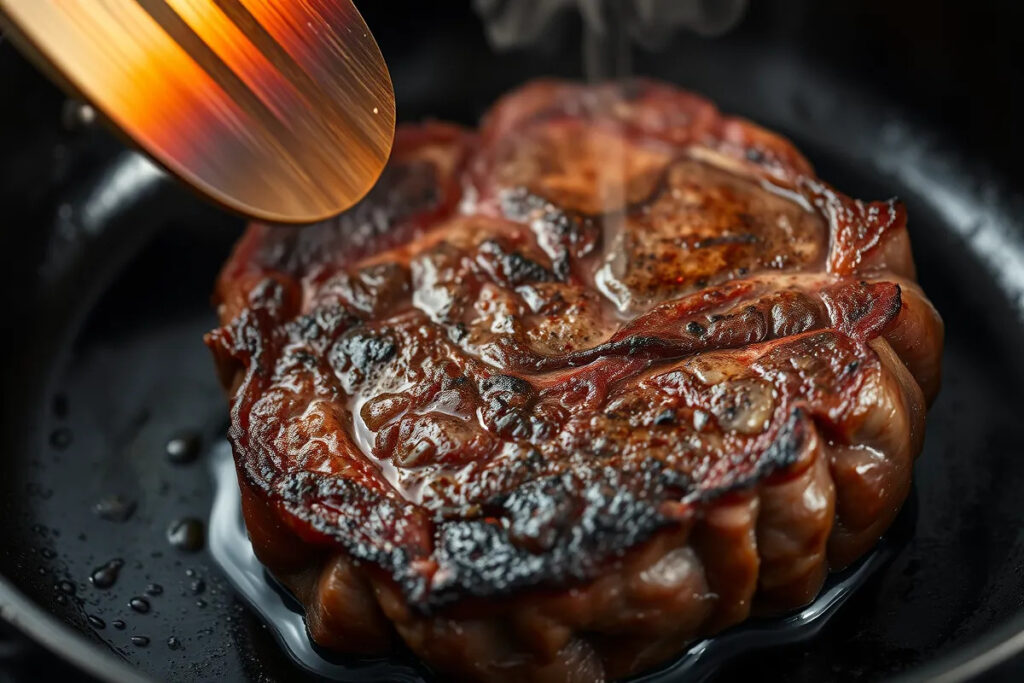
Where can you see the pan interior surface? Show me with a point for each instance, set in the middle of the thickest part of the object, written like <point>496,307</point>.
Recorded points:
<point>111,370</point>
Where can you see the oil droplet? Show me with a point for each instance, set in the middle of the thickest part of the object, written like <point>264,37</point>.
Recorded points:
<point>140,641</point>
<point>114,508</point>
<point>186,534</point>
<point>106,575</point>
<point>198,586</point>
<point>154,589</point>
<point>48,553</point>
<point>174,643</point>
<point>60,438</point>
<point>183,448</point>
<point>118,624</point>
<point>96,622</point>
<point>65,587</point>
<point>200,603</point>
<point>61,599</point>
<point>140,605</point>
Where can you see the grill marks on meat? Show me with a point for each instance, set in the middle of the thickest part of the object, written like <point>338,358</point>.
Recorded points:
<point>562,395</point>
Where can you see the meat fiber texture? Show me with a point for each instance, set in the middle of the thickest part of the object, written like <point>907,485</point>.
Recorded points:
<point>565,393</point>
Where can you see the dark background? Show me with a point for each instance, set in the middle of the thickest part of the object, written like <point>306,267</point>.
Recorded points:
<point>956,66</point>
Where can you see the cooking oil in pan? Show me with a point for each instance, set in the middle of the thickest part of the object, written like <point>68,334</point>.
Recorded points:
<point>231,549</point>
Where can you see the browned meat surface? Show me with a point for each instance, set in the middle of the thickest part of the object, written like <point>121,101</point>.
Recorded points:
<point>561,395</point>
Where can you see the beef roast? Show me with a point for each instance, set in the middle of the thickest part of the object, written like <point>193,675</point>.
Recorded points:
<point>563,394</point>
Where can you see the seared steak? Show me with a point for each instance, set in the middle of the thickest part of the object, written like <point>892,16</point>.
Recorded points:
<point>561,395</point>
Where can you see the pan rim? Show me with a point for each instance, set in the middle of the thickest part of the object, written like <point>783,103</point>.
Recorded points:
<point>47,630</point>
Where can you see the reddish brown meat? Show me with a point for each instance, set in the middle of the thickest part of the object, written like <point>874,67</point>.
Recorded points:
<point>564,394</point>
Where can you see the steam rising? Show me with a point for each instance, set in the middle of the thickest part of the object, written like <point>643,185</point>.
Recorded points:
<point>610,27</point>
<point>649,23</point>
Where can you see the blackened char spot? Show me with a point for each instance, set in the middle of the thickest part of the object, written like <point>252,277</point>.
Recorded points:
<point>511,268</point>
<point>365,349</point>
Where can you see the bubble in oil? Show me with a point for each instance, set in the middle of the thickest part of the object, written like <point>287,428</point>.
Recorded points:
<point>184,448</point>
<point>140,605</point>
<point>106,575</point>
<point>114,508</point>
<point>186,534</point>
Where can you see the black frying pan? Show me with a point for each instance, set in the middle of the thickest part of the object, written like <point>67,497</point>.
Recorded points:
<point>106,269</point>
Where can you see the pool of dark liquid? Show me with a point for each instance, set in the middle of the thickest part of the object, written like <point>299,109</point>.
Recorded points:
<point>231,549</point>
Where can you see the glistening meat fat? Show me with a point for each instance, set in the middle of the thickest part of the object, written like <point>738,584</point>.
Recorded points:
<point>562,394</point>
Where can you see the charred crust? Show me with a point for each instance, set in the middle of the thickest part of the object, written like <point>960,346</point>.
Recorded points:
<point>786,447</point>
<point>371,527</point>
<point>549,531</point>
<point>784,451</point>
